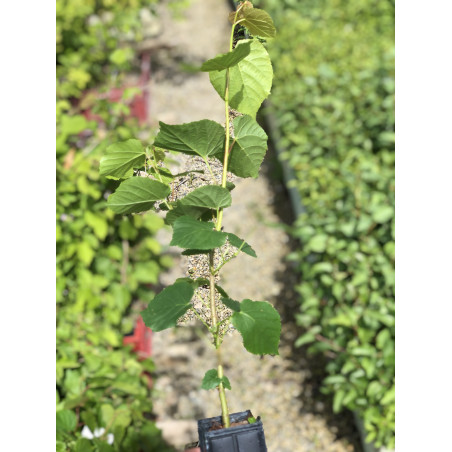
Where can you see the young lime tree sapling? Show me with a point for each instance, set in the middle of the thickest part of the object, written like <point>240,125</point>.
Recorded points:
<point>243,78</point>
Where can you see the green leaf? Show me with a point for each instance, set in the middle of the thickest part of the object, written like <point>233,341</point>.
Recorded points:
<point>231,304</point>
<point>259,23</point>
<point>168,306</point>
<point>137,195</point>
<point>337,400</point>
<point>260,326</point>
<point>98,223</point>
<point>179,210</point>
<point>121,158</point>
<point>211,380</point>
<point>382,214</point>
<point>238,242</point>
<point>66,421</point>
<point>202,138</point>
<point>194,234</point>
<point>249,81</point>
<point>209,196</point>
<point>249,149</point>
<point>226,60</point>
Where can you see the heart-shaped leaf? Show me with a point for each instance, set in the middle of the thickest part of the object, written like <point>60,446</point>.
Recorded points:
<point>168,306</point>
<point>209,196</point>
<point>260,326</point>
<point>249,81</point>
<point>203,138</point>
<point>137,194</point>
<point>121,158</point>
<point>249,149</point>
<point>259,23</point>
<point>194,234</point>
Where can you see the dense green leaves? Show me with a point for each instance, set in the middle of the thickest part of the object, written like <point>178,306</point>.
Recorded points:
<point>258,22</point>
<point>168,306</point>
<point>137,194</point>
<point>249,149</point>
<point>121,158</point>
<point>339,140</point>
<point>211,380</point>
<point>260,326</point>
<point>249,81</point>
<point>226,60</point>
<point>194,234</point>
<point>203,138</point>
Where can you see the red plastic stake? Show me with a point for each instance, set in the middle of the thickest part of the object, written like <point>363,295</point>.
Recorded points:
<point>141,340</point>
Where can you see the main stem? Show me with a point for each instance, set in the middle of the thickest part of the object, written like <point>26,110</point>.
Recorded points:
<point>213,308</point>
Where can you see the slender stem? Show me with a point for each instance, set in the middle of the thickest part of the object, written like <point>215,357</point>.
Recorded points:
<point>199,317</point>
<point>158,174</point>
<point>210,170</point>
<point>213,272</point>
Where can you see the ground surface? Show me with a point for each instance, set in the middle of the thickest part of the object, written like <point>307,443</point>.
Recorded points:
<point>283,390</point>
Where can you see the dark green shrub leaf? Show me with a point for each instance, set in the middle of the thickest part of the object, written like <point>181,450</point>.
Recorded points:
<point>137,194</point>
<point>194,234</point>
<point>202,138</point>
<point>121,158</point>
<point>249,81</point>
<point>168,306</point>
<point>260,326</point>
<point>259,23</point>
<point>226,60</point>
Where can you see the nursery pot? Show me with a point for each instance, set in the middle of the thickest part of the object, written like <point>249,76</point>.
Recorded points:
<point>242,438</point>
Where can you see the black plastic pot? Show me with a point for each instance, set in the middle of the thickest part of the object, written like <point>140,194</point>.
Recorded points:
<point>243,438</point>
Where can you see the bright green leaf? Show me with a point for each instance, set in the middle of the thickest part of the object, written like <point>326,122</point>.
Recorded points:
<point>383,214</point>
<point>202,138</point>
<point>259,23</point>
<point>137,195</point>
<point>121,158</point>
<point>226,60</point>
<point>194,234</point>
<point>168,306</point>
<point>260,326</point>
<point>249,81</point>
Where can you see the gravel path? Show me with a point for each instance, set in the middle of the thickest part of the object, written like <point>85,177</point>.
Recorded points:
<point>283,390</point>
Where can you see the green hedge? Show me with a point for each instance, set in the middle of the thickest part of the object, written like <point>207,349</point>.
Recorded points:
<point>333,98</point>
<point>104,261</point>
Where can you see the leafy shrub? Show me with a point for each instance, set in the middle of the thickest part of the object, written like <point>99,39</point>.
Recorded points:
<point>104,261</point>
<point>333,98</point>
<point>93,34</point>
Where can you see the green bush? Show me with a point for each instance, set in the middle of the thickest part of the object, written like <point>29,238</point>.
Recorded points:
<point>93,37</point>
<point>333,99</point>
<point>105,262</point>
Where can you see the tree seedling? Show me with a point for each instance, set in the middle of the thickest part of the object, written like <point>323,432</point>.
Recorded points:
<point>243,78</point>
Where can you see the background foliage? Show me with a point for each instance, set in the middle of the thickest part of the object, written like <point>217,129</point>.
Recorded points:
<point>104,261</point>
<point>333,98</point>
